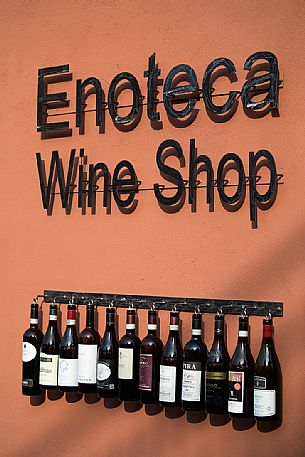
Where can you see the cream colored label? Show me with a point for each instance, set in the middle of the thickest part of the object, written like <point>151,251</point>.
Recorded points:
<point>28,351</point>
<point>67,372</point>
<point>264,403</point>
<point>167,388</point>
<point>87,358</point>
<point>125,363</point>
<point>48,369</point>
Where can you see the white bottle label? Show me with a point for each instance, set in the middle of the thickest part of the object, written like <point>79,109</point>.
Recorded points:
<point>103,371</point>
<point>28,352</point>
<point>67,372</point>
<point>236,392</point>
<point>48,369</point>
<point>87,358</point>
<point>167,389</point>
<point>191,381</point>
<point>125,363</point>
<point>264,403</point>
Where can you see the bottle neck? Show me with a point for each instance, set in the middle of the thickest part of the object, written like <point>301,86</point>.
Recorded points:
<point>152,329</point>
<point>34,316</point>
<point>243,330</point>
<point>267,330</point>
<point>109,327</point>
<point>173,333</point>
<point>243,336</point>
<point>218,336</point>
<point>130,329</point>
<point>152,324</point>
<point>52,321</point>
<point>33,323</point>
<point>174,325</point>
<point>196,334</point>
<point>90,318</point>
<point>71,318</point>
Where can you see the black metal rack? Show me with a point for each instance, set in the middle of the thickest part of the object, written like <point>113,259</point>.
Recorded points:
<point>204,305</point>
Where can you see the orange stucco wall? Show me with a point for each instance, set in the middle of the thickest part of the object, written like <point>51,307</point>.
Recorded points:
<point>204,254</point>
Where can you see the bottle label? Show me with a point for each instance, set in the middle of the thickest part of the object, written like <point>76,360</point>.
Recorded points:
<point>264,399</point>
<point>243,333</point>
<point>216,375</point>
<point>48,369</point>
<point>106,377</point>
<point>167,389</point>
<point>67,372</point>
<point>125,363</point>
<point>191,381</point>
<point>87,358</point>
<point>216,389</point>
<point>264,402</point>
<point>236,392</point>
<point>33,320</point>
<point>196,331</point>
<point>28,382</point>
<point>260,382</point>
<point>52,317</point>
<point>145,377</point>
<point>28,351</point>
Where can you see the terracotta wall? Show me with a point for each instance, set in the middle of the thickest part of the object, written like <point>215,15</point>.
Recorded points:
<point>204,254</point>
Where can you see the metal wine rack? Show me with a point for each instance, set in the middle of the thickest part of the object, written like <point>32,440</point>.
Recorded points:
<point>204,305</point>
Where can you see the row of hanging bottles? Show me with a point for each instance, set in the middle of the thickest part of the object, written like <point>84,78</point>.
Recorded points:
<point>149,371</point>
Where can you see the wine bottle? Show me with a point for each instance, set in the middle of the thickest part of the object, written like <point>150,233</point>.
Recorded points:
<point>171,366</point>
<point>267,377</point>
<point>49,353</point>
<point>241,374</point>
<point>194,362</point>
<point>150,357</point>
<point>31,343</point>
<point>217,385</point>
<point>68,355</point>
<point>88,342</point>
<point>107,365</point>
<point>129,357</point>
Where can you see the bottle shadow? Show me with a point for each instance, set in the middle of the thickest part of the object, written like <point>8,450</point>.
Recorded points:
<point>91,398</point>
<point>195,417</point>
<point>173,412</point>
<point>243,423</point>
<point>54,395</point>
<point>153,409</point>
<point>37,400</point>
<point>268,426</point>
<point>110,403</point>
<point>132,406</point>
<point>73,397</point>
<point>217,420</point>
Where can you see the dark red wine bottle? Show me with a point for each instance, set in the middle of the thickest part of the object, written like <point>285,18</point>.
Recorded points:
<point>171,366</point>
<point>267,378</point>
<point>217,385</point>
<point>241,375</point>
<point>107,365</point>
<point>129,358</point>
<point>194,362</point>
<point>88,342</point>
<point>31,343</point>
<point>68,355</point>
<point>150,357</point>
<point>49,352</point>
